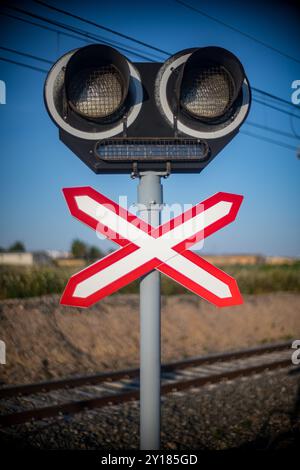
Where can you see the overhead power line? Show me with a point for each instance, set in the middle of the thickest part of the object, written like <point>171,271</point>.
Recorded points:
<point>271,96</point>
<point>89,40</point>
<point>276,108</point>
<point>97,25</point>
<point>24,54</point>
<point>32,67</point>
<point>86,40</point>
<point>149,45</point>
<point>47,28</point>
<point>233,28</point>
<point>272,141</point>
<point>271,129</point>
<point>131,51</point>
<point>77,31</point>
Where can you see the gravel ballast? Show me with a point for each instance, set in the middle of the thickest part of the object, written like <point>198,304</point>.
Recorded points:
<point>257,412</point>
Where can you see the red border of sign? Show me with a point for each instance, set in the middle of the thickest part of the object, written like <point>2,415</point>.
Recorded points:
<point>128,247</point>
<point>235,299</point>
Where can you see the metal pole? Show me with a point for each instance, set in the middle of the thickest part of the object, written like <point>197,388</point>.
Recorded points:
<point>150,200</point>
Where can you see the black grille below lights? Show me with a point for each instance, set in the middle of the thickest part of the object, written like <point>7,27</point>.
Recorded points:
<point>152,150</point>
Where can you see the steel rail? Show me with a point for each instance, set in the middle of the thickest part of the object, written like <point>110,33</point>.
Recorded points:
<point>72,382</point>
<point>115,399</point>
<point>83,405</point>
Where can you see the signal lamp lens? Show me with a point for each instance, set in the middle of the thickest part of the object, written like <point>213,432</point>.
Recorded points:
<point>97,82</point>
<point>207,91</point>
<point>96,92</point>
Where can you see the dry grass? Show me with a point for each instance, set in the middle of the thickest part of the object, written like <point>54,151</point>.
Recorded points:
<point>23,282</point>
<point>45,340</point>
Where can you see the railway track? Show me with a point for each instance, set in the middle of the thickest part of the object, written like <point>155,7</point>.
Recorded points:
<point>23,403</point>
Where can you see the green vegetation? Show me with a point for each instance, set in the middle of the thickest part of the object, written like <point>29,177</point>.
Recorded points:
<point>30,282</point>
<point>18,247</point>
<point>34,281</point>
<point>258,279</point>
<point>79,249</point>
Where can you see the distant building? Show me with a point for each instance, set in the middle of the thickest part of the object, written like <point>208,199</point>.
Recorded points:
<point>242,259</point>
<point>58,254</point>
<point>275,260</point>
<point>70,262</point>
<point>41,258</point>
<point>25,258</point>
<point>65,259</point>
<point>16,259</point>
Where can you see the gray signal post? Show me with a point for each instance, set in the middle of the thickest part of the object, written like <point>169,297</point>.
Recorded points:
<point>150,197</point>
<point>120,116</point>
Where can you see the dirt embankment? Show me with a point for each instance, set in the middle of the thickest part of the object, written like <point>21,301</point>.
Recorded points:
<point>45,340</point>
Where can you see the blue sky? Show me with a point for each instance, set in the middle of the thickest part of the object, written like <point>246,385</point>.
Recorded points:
<point>35,165</point>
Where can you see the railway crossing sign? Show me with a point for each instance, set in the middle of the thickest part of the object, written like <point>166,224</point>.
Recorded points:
<point>144,248</point>
<point>149,120</point>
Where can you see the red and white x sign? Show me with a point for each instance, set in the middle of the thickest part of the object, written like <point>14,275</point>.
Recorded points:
<point>144,248</point>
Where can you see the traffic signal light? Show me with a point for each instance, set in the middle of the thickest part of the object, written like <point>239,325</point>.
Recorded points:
<point>119,116</point>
